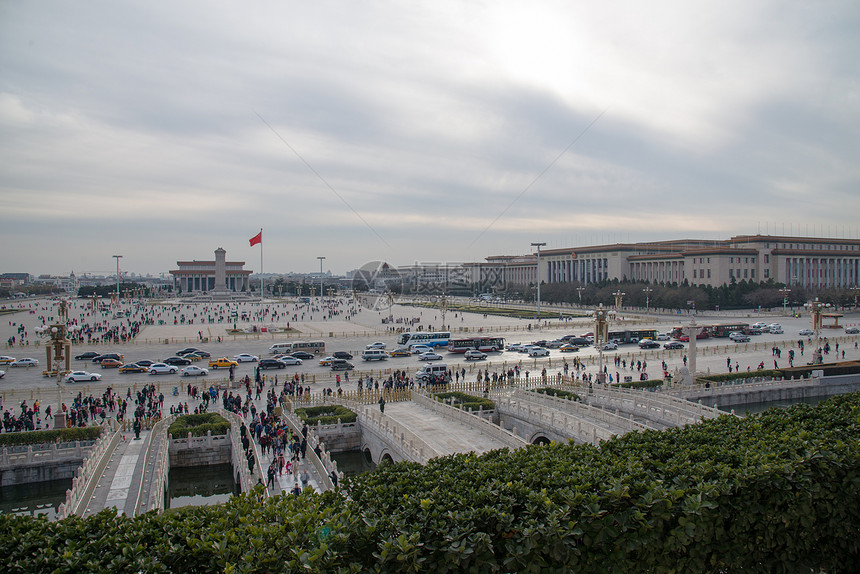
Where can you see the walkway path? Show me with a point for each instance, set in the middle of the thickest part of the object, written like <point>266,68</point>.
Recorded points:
<point>120,484</point>
<point>444,435</point>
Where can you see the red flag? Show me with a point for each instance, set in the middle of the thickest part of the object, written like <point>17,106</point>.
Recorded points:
<point>257,238</point>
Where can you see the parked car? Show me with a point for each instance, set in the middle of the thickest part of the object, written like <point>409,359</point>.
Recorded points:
<point>806,332</point>
<point>89,355</point>
<point>222,362</point>
<point>739,337</point>
<point>341,355</point>
<point>26,362</point>
<point>376,345</point>
<point>304,355</point>
<point>80,376</point>
<point>162,369</point>
<point>133,368</point>
<point>430,356</point>
<point>472,355</point>
<point>116,356</point>
<point>111,364</point>
<point>610,347</point>
<point>177,361</point>
<point>271,364</point>
<point>194,371</point>
<point>400,353</point>
<point>246,358</point>
<point>538,352</point>
<point>673,345</point>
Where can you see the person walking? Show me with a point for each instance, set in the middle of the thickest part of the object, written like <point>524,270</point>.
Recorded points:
<point>382,404</point>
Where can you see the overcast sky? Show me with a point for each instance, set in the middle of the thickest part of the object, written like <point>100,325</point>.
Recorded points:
<point>417,131</point>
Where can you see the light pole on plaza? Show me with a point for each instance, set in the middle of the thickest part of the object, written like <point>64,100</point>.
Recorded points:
<point>854,290</point>
<point>579,290</point>
<point>601,336</point>
<point>117,257</point>
<point>816,308</point>
<point>785,291</point>
<point>321,275</point>
<point>538,245</point>
<point>647,291</point>
<point>619,295</point>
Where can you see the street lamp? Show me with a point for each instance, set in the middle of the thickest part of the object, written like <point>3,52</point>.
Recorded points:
<point>117,257</point>
<point>321,276</point>
<point>647,291</point>
<point>785,291</point>
<point>855,289</point>
<point>619,295</point>
<point>601,334</point>
<point>58,352</point>
<point>538,245</point>
<point>579,290</point>
<point>815,309</point>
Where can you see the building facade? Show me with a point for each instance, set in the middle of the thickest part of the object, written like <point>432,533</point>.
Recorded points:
<point>804,261</point>
<point>219,275</point>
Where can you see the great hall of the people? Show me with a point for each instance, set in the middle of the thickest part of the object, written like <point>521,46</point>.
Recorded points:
<point>804,261</point>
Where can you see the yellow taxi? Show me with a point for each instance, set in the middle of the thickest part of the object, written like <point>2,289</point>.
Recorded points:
<point>568,348</point>
<point>400,353</point>
<point>222,363</point>
<point>326,362</point>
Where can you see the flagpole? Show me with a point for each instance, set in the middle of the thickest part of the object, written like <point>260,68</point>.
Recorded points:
<point>262,279</point>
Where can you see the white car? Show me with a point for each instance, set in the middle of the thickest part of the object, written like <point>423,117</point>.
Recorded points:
<point>538,352</point>
<point>739,337</point>
<point>194,371</point>
<point>28,362</point>
<point>514,347</point>
<point>610,347</point>
<point>420,349</point>
<point>2,374</point>
<point>806,332</point>
<point>79,376</point>
<point>161,369</point>
<point>759,325</point>
<point>288,360</point>
<point>663,337</point>
<point>376,345</point>
<point>474,355</point>
<point>776,330</point>
<point>246,358</point>
<point>431,356</point>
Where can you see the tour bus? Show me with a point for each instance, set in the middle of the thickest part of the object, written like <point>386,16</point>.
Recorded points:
<point>315,347</point>
<point>437,339</point>
<point>632,335</point>
<point>484,344</point>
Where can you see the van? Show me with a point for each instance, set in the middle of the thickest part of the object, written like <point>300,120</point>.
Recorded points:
<point>374,355</point>
<point>280,348</point>
<point>431,370</point>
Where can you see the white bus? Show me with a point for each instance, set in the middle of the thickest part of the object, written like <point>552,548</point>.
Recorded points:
<point>315,347</point>
<point>438,339</point>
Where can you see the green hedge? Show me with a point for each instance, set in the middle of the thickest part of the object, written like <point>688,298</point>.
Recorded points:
<point>558,393</point>
<point>50,436</point>
<point>326,415</point>
<point>649,384</point>
<point>774,492</point>
<point>723,377</point>
<point>199,425</point>
<point>466,401</point>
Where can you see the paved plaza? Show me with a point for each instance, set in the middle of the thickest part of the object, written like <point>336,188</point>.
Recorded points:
<point>175,325</point>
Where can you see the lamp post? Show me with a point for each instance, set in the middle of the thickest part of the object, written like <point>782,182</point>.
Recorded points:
<point>538,245</point>
<point>58,352</point>
<point>647,291</point>
<point>321,276</point>
<point>117,257</point>
<point>601,333</point>
<point>816,308</point>
<point>785,291</point>
<point>855,290</point>
<point>619,296</point>
<point>579,290</point>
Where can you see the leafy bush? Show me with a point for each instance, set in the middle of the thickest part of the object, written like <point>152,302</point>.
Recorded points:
<point>326,415</point>
<point>561,393</point>
<point>464,401</point>
<point>50,436</point>
<point>649,384</point>
<point>199,425</point>
<point>774,492</point>
<point>723,377</point>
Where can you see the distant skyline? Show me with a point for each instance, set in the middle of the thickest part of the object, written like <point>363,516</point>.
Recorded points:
<point>417,132</point>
